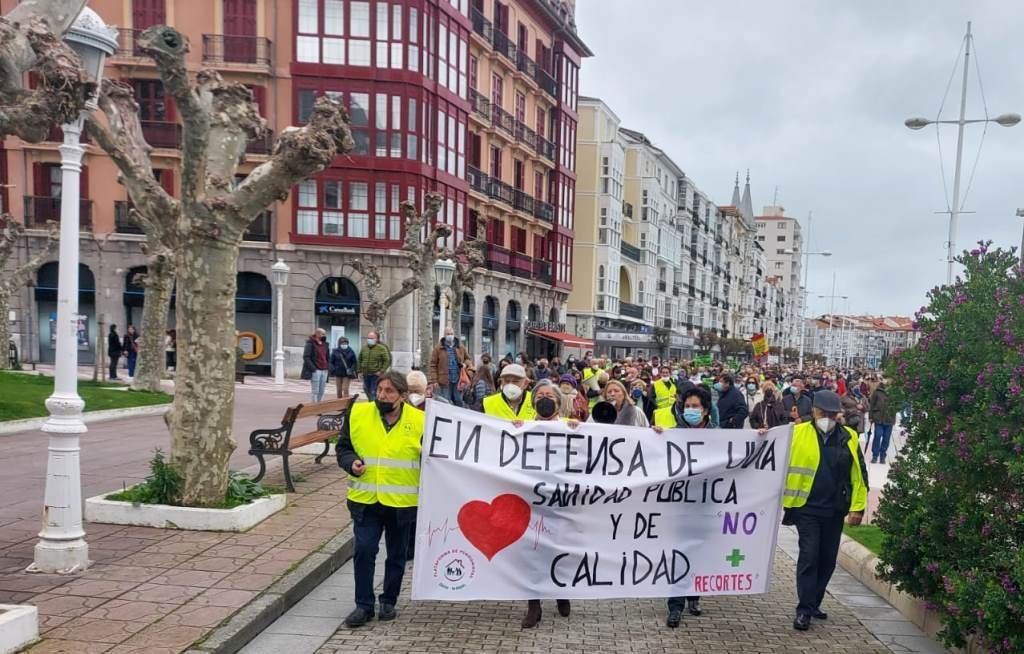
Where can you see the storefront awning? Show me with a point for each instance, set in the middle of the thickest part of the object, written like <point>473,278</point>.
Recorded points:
<point>569,340</point>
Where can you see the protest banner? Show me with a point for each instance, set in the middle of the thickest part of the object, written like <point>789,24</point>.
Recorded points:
<point>549,512</point>
<point>703,360</point>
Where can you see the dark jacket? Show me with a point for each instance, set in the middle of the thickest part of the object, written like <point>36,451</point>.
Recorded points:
<point>309,358</point>
<point>853,411</point>
<point>768,413</point>
<point>880,409</point>
<point>343,362</point>
<point>437,369</point>
<point>732,409</point>
<point>802,402</point>
<point>129,346</point>
<point>114,348</point>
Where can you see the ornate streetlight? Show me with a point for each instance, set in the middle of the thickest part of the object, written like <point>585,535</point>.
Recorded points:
<point>280,272</point>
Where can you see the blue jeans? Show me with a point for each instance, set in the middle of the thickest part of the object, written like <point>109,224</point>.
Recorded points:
<point>451,392</point>
<point>318,383</point>
<point>132,358</point>
<point>370,386</point>
<point>880,444</point>
<point>369,521</point>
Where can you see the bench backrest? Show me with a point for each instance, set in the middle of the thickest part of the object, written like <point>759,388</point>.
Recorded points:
<point>300,411</point>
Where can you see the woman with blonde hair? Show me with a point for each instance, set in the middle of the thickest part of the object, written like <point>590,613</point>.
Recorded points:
<point>627,413</point>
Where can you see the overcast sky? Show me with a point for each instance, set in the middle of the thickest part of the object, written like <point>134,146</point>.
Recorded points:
<point>811,97</point>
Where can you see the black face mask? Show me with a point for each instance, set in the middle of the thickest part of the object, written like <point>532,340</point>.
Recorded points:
<point>385,407</point>
<point>546,407</point>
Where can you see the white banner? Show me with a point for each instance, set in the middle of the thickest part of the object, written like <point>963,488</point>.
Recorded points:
<point>548,512</point>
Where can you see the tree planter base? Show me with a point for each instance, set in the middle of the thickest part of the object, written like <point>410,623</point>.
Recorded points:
<point>240,518</point>
<point>19,626</point>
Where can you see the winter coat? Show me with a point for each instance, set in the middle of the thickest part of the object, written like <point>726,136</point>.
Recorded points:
<point>853,412</point>
<point>343,362</point>
<point>768,413</point>
<point>437,369</point>
<point>802,402</point>
<point>309,358</point>
<point>732,409</point>
<point>374,360</point>
<point>130,345</point>
<point>881,411</point>
<point>114,349</point>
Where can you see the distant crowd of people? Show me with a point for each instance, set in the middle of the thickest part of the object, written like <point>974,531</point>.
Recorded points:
<point>127,347</point>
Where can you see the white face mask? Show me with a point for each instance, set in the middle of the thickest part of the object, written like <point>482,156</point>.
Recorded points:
<point>825,425</point>
<point>512,391</point>
<point>416,399</point>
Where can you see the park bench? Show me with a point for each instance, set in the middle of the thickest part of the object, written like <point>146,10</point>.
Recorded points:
<point>280,441</point>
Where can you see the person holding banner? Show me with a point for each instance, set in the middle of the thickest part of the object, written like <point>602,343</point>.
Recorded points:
<point>379,447</point>
<point>513,401</point>
<point>693,411</point>
<point>827,479</point>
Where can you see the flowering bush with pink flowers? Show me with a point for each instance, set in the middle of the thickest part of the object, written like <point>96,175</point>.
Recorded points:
<point>952,512</point>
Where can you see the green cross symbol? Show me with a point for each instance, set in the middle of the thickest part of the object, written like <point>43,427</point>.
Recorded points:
<point>735,558</point>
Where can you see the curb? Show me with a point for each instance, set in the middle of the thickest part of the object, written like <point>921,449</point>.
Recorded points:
<point>861,562</point>
<point>33,424</point>
<point>260,613</point>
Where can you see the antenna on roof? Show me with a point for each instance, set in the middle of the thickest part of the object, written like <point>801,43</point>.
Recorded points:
<point>775,198</point>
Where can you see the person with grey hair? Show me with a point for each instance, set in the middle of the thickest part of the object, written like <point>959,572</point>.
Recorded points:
<point>420,390</point>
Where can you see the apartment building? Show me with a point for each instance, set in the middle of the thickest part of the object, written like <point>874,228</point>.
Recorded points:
<point>413,74</point>
<point>782,239</point>
<point>851,340</point>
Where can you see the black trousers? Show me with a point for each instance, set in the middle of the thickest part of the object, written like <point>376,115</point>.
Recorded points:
<point>819,538</point>
<point>369,523</point>
<point>113,366</point>
<point>679,603</point>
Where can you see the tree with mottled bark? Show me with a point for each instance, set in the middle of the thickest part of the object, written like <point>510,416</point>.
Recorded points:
<point>30,41</point>
<point>468,256</point>
<point>202,231</point>
<point>10,233</point>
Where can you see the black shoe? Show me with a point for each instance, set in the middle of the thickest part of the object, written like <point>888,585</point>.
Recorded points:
<point>387,612</point>
<point>882,460</point>
<point>358,618</point>
<point>533,614</point>
<point>674,616</point>
<point>874,459</point>
<point>802,622</point>
<point>564,607</point>
<point>819,615</point>
<point>693,606</point>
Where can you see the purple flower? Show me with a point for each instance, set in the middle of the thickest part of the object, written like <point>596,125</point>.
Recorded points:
<point>932,567</point>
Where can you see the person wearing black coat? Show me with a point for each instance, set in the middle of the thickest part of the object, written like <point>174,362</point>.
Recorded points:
<point>797,398</point>
<point>114,350</point>
<point>769,412</point>
<point>732,406</point>
<point>343,366</point>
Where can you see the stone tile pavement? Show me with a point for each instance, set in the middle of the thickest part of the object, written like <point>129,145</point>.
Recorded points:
<point>158,591</point>
<point>859,622</point>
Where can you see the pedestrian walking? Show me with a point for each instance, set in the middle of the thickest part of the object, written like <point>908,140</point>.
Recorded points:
<point>446,367</point>
<point>315,364</point>
<point>883,415</point>
<point>379,447</point>
<point>114,350</point>
<point>827,479</point>
<point>343,366</point>
<point>374,359</point>
<point>769,412</point>
<point>130,349</point>
<point>732,407</point>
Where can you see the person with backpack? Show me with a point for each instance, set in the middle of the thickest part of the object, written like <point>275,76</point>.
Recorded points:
<point>343,366</point>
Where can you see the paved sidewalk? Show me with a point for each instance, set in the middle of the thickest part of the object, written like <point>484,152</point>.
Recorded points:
<point>859,622</point>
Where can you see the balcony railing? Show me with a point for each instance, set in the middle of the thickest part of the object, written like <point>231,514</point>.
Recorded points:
<point>498,259</point>
<point>546,82</point>
<point>504,46</point>
<point>662,287</point>
<point>526,135</point>
<point>546,149</point>
<point>675,290</point>
<point>262,145</point>
<point>522,265</point>
<point>525,64</point>
<point>522,201</point>
<point>542,271</point>
<point>222,49</point>
<point>40,210</point>
<point>499,190</point>
<point>632,252</point>
<point>123,224</point>
<point>631,310</point>
<point>259,228</point>
<point>481,25</point>
<point>503,120</point>
<point>161,134</point>
<point>126,43</point>
<point>543,211</point>
<point>477,179</point>
<point>481,105</point>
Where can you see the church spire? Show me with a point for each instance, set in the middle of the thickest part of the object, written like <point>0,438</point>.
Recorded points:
<point>746,206</point>
<point>736,191</point>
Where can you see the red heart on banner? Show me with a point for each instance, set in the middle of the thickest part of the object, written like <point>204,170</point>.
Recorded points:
<point>493,527</point>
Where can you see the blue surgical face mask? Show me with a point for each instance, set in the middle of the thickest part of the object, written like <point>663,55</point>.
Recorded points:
<point>693,416</point>
<point>751,387</point>
<point>718,386</point>
<point>637,394</point>
<point>371,341</point>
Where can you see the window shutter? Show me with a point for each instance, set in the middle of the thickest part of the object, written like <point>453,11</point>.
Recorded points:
<point>84,183</point>
<point>40,180</point>
<point>167,180</point>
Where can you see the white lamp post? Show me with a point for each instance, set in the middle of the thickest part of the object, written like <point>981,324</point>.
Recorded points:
<point>280,272</point>
<point>62,547</point>
<point>1004,120</point>
<point>444,270</point>
<point>803,308</point>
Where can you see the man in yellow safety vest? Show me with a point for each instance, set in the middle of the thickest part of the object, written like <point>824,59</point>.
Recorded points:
<point>512,401</point>
<point>665,389</point>
<point>379,446</point>
<point>827,479</point>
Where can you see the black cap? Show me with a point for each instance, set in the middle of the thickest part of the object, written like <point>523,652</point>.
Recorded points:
<point>827,401</point>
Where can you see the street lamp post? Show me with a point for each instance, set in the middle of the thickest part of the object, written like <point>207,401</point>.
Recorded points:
<point>1020,214</point>
<point>1005,120</point>
<point>62,548</point>
<point>280,272</point>
<point>444,270</point>
<point>803,312</point>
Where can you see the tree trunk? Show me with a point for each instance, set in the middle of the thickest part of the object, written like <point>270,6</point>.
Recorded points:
<point>202,438</point>
<point>425,320</point>
<point>5,333</point>
<point>159,285</point>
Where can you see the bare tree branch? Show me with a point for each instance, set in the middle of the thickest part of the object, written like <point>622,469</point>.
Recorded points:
<point>10,233</point>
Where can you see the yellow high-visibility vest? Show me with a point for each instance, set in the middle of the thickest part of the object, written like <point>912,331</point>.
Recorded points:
<point>804,457</point>
<point>665,418</point>
<point>495,405</point>
<point>392,458</point>
<point>664,393</point>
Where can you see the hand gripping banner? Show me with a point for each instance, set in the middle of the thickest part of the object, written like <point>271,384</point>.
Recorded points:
<point>548,512</point>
